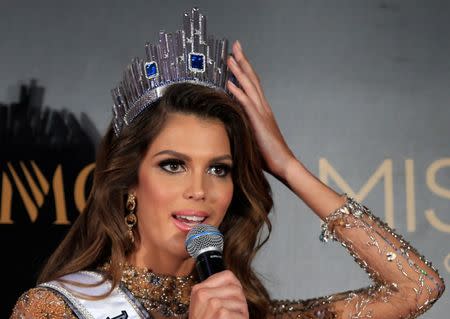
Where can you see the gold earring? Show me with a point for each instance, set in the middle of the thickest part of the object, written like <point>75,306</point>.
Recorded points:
<point>131,219</point>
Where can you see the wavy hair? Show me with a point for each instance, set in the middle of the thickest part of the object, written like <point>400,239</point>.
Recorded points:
<point>99,233</point>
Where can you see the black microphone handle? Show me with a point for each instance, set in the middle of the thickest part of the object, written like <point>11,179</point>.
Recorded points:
<point>209,263</point>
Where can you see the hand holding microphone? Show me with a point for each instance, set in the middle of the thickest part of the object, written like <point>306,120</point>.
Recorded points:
<point>219,295</point>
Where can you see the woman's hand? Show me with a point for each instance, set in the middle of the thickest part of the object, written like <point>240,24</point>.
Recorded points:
<point>273,147</point>
<point>218,297</point>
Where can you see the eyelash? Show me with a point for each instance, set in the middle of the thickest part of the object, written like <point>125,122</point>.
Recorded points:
<point>163,165</point>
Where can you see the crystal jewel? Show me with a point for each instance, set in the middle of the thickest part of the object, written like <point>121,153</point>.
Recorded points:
<point>391,256</point>
<point>168,295</point>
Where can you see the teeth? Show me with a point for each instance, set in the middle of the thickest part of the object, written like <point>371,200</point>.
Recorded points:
<point>192,218</point>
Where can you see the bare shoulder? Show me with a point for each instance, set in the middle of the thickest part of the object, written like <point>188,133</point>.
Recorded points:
<point>38,303</point>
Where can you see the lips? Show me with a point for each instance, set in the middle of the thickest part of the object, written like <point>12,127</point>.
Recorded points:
<point>185,220</point>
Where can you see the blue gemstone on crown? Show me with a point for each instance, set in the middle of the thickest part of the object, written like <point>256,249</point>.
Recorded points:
<point>151,70</point>
<point>197,62</point>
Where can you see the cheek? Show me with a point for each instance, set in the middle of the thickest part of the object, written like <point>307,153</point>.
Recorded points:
<point>223,196</point>
<point>154,193</point>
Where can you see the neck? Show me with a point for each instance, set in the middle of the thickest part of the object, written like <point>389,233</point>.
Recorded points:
<point>162,262</point>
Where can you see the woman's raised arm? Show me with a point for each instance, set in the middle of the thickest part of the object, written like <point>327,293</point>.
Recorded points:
<point>404,283</point>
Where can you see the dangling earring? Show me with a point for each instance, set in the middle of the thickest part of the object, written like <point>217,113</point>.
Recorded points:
<point>131,219</point>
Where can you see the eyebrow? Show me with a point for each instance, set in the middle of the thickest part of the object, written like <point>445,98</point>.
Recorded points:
<point>187,158</point>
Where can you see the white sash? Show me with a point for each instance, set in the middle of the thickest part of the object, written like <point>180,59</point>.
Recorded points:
<point>117,305</point>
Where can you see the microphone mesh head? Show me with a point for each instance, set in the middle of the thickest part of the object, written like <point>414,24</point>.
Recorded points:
<point>203,237</point>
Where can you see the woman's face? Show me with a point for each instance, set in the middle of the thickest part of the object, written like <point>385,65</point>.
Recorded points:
<point>183,180</point>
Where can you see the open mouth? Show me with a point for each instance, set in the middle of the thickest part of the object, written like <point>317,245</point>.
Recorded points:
<point>190,219</point>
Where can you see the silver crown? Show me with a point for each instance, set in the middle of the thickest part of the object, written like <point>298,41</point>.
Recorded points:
<point>186,56</point>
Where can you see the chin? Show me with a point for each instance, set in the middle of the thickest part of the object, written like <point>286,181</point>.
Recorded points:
<point>178,249</point>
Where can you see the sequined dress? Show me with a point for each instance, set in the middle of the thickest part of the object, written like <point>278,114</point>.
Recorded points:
<point>404,283</point>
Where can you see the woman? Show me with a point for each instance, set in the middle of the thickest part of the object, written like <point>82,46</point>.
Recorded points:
<point>193,154</point>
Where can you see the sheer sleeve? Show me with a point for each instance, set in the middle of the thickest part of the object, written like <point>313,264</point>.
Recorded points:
<point>40,303</point>
<point>404,283</point>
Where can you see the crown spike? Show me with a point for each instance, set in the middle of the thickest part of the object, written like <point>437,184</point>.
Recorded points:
<point>202,28</point>
<point>179,51</point>
<point>132,82</point>
<point>196,33</point>
<point>187,25</point>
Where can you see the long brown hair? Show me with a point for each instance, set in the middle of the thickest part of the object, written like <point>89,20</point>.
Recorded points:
<point>99,233</point>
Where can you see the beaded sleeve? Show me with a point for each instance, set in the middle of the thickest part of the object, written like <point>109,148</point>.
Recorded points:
<point>41,303</point>
<point>404,283</point>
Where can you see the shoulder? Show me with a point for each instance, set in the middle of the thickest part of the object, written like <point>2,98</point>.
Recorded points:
<point>42,303</point>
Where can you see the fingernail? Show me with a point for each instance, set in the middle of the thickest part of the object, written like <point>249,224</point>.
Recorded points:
<point>232,59</point>
<point>238,45</point>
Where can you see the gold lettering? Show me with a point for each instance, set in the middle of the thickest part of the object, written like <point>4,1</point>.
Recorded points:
<point>39,190</point>
<point>431,177</point>
<point>410,196</point>
<point>80,185</point>
<point>42,180</point>
<point>447,263</point>
<point>439,190</point>
<point>385,170</point>
<point>38,196</point>
<point>60,202</point>
<point>436,222</point>
<point>5,214</point>
<point>29,205</point>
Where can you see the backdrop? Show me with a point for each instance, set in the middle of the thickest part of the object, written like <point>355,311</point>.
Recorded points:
<point>361,90</point>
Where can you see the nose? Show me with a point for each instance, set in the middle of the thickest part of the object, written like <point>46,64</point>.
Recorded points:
<point>196,188</point>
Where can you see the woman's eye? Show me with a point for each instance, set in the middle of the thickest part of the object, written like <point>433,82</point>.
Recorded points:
<point>220,170</point>
<point>172,166</point>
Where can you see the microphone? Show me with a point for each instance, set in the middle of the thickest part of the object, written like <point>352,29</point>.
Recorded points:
<point>205,244</point>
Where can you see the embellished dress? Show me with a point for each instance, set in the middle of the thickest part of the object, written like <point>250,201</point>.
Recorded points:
<point>404,283</point>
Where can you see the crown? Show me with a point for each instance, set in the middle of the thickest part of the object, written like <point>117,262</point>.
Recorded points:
<point>188,56</point>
